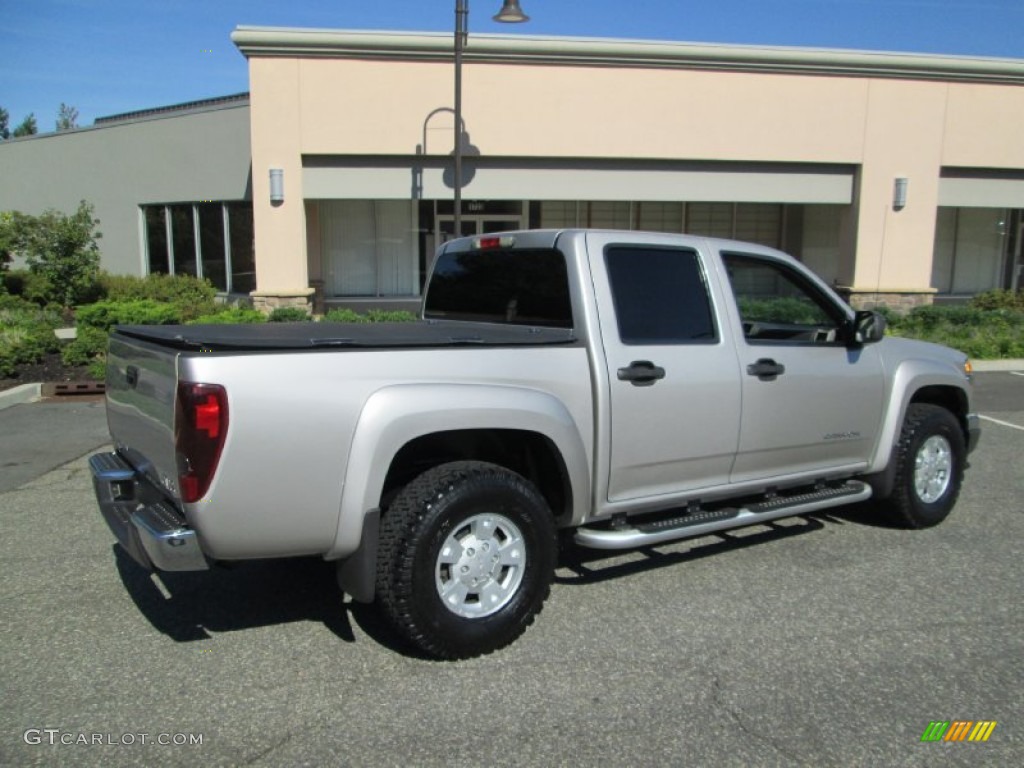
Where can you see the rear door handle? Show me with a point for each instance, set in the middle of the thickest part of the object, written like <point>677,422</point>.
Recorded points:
<point>641,373</point>
<point>766,369</point>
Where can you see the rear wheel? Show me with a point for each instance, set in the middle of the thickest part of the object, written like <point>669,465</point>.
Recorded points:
<point>930,460</point>
<point>466,555</point>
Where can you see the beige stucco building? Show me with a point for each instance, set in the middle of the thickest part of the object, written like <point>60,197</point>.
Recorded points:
<point>899,178</point>
<point>799,149</point>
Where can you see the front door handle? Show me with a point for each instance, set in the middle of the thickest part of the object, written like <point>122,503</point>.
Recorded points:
<point>766,369</point>
<point>641,373</point>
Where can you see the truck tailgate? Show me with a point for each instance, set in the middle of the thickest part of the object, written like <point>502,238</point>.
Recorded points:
<point>141,384</point>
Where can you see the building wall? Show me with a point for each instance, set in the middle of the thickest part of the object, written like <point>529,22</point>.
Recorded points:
<point>359,96</point>
<point>175,157</point>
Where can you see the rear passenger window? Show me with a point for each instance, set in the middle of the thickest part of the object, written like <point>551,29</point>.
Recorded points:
<point>660,295</point>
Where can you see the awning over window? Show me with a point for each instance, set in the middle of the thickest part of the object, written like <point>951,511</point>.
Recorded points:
<point>338,178</point>
<point>961,189</point>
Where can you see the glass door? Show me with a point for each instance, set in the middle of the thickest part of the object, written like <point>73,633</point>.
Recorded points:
<point>475,224</point>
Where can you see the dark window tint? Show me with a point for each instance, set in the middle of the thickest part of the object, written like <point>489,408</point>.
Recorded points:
<point>211,243</point>
<point>659,295</point>
<point>156,239</point>
<point>183,237</point>
<point>527,287</point>
<point>243,262</point>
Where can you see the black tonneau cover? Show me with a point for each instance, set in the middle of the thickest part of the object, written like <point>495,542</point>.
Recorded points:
<point>294,336</point>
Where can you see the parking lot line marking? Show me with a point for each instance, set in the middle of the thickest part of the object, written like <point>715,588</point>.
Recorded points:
<point>1016,373</point>
<point>1002,423</point>
<point>161,587</point>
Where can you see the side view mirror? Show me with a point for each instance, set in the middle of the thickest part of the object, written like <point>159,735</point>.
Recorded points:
<point>867,327</point>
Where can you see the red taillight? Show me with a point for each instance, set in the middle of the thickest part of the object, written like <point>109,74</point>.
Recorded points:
<point>200,426</point>
<point>494,241</point>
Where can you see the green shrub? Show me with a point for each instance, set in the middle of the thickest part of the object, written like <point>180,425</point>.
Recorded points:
<point>26,333</point>
<point>346,315</point>
<point>289,315</point>
<point>392,316</point>
<point>89,346</point>
<point>343,316</point>
<point>979,333</point>
<point>193,296</point>
<point>230,315</point>
<point>999,299</point>
<point>780,310</point>
<point>106,314</point>
<point>58,246</point>
<point>29,286</point>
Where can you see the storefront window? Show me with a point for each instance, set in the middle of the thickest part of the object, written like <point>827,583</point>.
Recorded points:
<point>156,239</point>
<point>970,247</point>
<point>218,259</point>
<point>211,244</point>
<point>243,259</point>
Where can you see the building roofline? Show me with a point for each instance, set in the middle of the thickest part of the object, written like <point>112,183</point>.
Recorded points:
<point>233,101</point>
<point>577,51</point>
<point>202,105</point>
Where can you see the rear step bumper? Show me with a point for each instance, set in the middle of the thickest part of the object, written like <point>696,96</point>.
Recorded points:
<point>148,526</point>
<point>702,522</point>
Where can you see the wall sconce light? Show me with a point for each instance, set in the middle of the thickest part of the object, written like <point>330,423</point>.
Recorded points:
<point>899,193</point>
<point>276,185</point>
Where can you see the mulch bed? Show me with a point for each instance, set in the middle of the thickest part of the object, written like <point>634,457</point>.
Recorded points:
<point>50,369</point>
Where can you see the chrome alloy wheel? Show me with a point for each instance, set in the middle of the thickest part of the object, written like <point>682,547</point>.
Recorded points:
<point>480,566</point>
<point>933,469</point>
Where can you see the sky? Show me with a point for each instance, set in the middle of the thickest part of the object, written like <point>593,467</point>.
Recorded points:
<point>105,57</point>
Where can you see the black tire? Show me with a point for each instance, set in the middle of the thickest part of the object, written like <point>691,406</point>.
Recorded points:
<point>488,521</point>
<point>930,459</point>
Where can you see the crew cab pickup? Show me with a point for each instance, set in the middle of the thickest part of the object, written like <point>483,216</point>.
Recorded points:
<point>624,389</point>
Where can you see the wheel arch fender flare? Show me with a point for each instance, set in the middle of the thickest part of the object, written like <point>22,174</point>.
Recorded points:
<point>910,378</point>
<point>395,415</point>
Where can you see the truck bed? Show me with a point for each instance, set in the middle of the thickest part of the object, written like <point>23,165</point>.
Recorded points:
<point>305,336</point>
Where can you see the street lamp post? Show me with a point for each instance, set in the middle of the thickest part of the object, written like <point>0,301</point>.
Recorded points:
<point>509,13</point>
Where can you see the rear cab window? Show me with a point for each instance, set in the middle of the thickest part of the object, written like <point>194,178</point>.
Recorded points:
<point>509,286</point>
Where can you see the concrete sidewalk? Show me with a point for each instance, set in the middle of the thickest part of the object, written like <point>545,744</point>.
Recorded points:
<point>40,437</point>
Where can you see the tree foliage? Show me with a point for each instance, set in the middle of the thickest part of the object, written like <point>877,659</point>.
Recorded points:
<point>5,131</point>
<point>27,127</point>
<point>59,247</point>
<point>67,117</point>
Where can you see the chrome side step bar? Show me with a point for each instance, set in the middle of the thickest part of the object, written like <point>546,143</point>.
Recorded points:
<point>704,522</point>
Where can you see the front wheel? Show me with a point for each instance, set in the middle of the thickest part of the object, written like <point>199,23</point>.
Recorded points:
<point>466,556</point>
<point>930,459</point>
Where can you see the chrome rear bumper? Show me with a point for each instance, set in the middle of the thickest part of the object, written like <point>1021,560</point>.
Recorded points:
<point>146,524</point>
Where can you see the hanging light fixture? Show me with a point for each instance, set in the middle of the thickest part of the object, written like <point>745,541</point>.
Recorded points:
<point>511,13</point>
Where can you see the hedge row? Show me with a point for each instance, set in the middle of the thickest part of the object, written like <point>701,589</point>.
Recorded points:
<point>985,334</point>
<point>26,333</point>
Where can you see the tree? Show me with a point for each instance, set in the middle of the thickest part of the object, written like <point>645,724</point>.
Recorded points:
<point>5,132</point>
<point>59,247</point>
<point>27,127</point>
<point>8,238</point>
<point>67,117</point>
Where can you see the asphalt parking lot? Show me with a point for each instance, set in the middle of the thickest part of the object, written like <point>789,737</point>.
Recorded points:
<point>826,640</point>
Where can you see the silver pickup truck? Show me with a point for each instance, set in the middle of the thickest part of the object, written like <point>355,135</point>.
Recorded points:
<point>623,388</point>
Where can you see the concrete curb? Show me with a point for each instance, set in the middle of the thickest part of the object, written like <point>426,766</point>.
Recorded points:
<point>987,366</point>
<point>26,393</point>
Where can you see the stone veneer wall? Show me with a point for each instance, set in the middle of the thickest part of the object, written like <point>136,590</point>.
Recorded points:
<point>267,302</point>
<point>896,301</point>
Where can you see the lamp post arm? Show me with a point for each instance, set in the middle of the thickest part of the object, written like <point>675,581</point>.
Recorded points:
<point>461,30</point>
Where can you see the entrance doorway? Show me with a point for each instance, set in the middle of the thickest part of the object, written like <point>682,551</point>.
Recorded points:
<point>476,224</point>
